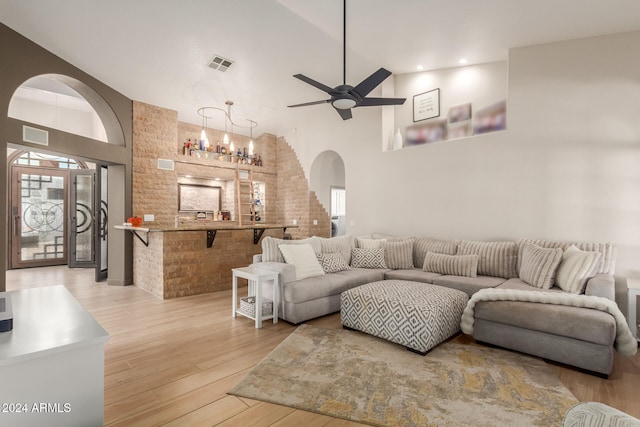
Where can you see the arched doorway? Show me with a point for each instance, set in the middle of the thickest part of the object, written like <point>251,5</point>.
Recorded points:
<point>24,60</point>
<point>328,182</point>
<point>58,203</point>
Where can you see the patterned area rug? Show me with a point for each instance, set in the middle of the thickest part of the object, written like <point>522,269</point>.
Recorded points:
<point>351,375</point>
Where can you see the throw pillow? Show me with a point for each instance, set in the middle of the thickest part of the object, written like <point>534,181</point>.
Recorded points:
<point>539,265</point>
<point>399,255</point>
<point>422,245</point>
<point>332,262</point>
<point>454,265</point>
<point>271,253</point>
<point>575,269</point>
<point>369,243</point>
<point>367,258</point>
<point>607,251</point>
<point>303,258</point>
<point>497,259</point>
<point>342,245</point>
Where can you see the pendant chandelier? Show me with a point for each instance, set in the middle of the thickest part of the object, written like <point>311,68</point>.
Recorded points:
<point>207,113</point>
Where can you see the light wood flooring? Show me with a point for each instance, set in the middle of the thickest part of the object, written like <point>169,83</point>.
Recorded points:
<point>172,362</point>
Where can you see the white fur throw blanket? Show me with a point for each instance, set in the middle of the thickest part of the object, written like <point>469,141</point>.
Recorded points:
<point>626,344</point>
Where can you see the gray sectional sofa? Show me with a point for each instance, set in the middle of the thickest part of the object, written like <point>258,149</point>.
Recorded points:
<point>570,334</point>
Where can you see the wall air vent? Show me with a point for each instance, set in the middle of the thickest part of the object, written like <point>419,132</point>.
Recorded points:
<point>165,164</point>
<point>35,136</point>
<point>219,63</point>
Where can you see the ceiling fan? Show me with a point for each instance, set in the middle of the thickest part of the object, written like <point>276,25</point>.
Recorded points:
<point>345,97</point>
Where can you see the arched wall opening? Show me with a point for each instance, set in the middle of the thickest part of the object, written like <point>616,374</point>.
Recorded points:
<point>328,182</point>
<point>25,60</point>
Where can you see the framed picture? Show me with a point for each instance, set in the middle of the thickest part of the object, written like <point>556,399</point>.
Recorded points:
<point>426,105</point>
<point>459,130</point>
<point>424,133</point>
<point>491,119</point>
<point>460,113</point>
<point>198,198</point>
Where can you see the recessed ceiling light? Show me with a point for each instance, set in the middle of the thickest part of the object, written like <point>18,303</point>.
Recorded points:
<point>463,61</point>
<point>419,68</point>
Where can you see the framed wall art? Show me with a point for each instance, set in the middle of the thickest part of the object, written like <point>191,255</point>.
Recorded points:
<point>426,105</point>
<point>198,198</point>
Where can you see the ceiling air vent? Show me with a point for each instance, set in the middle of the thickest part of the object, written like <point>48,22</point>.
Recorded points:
<point>219,63</point>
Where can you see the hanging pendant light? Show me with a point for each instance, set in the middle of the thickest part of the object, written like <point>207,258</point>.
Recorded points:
<point>233,150</point>
<point>225,139</point>
<point>251,147</point>
<point>204,144</point>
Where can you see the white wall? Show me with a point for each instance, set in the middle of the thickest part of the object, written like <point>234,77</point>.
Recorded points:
<point>568,166</point>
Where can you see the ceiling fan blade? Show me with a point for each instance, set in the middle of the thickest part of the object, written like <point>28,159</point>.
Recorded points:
<point>314,83</point>
<point>372,102</point>
<point>371,82</point>
<point>345,114</point>
<point>310,103</point>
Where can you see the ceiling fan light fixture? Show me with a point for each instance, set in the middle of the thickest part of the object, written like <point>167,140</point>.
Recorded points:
<point>344,103</point>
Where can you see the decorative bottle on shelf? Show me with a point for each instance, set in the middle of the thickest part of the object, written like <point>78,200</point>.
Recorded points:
<point>397,140</point>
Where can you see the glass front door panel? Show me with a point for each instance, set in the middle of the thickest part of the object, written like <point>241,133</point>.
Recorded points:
<point>42,231</point>
<point>84,218</point>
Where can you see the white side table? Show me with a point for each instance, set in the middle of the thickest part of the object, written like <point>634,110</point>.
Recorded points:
<point>633,291</point>
<point>256,278</point>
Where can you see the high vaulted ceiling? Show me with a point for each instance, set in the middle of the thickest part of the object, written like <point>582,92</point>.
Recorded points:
<point>156,51</point>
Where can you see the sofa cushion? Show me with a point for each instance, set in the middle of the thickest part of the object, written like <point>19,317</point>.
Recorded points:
<point>332,262</point>
<point>368,258</point>
<point>341,244</point>
<point>575,269</point>
<point>329,284</point>
<point>498,259</point>
<point>539,265</point>
<point>365,243</point>
<point>398,254</point>
<point>303,258</point>
<point>581,323</point>
<point>519,284</point>
<point>360,276</point>
<point>271,253</point>
<point>455,265</point>
<point>413,274</point>
<point>422,245</point>
<point>606,264</point>
<point>470,285</point>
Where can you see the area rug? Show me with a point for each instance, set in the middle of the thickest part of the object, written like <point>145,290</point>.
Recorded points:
<point>351,375</point>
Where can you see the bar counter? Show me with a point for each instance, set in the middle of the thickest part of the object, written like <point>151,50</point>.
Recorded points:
<point>194,259</point>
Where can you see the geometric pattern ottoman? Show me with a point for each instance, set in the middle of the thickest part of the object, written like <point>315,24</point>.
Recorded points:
<point>416,315</point>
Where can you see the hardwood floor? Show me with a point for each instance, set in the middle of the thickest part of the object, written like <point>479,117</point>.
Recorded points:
<point>171,362</point>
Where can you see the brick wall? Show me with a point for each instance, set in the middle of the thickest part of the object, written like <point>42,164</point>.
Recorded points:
<point>178,263</point>
<point>155,131</point>
<point>294,199</point>
<point>188,267</point>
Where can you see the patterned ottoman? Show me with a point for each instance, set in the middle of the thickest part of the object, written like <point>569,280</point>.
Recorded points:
<point>416,315</point>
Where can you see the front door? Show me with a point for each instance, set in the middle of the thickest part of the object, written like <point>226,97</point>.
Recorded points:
<point>82,222</point>
<point>101,211</point>
<point>38,216</point>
